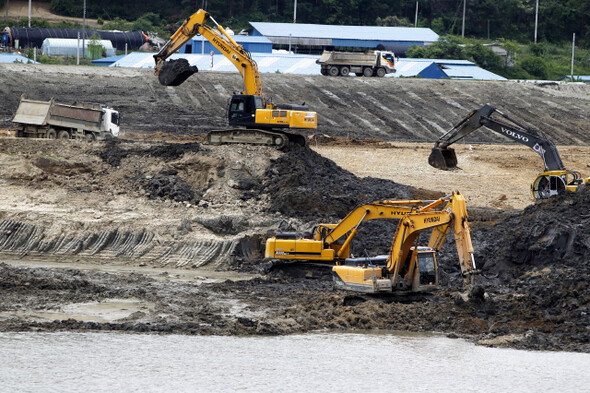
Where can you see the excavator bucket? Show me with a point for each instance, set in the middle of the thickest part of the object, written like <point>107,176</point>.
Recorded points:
<point>443,158</point>
<point>175,72</point>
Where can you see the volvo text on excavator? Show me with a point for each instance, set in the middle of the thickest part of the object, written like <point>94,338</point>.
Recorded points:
<point>261,120</point>
<point>407,267</point>
<point>554,179</point>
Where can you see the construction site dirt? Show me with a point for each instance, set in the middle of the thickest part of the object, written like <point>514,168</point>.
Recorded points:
<point>159,232</point>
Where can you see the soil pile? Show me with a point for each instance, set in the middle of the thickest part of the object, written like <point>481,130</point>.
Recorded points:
<point>303,184</point>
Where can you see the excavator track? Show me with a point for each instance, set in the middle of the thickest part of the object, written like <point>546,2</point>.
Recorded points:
<point>249,136</point>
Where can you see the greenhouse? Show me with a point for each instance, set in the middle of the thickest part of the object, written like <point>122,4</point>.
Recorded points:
<point>69,47</point>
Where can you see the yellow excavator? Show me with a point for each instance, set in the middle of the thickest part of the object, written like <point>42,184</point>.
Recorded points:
<point>261,120</point>
<point>553,180</point>
<point>407,267</point>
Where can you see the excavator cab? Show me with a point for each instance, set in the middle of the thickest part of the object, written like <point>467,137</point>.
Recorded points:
<point>242,109</point>
<point>427,274</point>
<point>549,184</point>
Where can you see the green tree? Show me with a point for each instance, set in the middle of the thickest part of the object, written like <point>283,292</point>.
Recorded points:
<point>534,66</point>
<point>95,48</point>
<point>393,20</point>
<point>483,56</point>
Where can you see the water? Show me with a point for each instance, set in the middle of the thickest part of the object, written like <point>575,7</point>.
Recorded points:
<point>96,362</point>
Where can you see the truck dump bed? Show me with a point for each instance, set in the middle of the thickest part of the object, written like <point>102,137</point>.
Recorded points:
<point>43,113</point>
<point>32,112</point>
<point>357,58</point>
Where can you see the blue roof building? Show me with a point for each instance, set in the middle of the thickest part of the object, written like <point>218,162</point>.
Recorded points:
<point>398,39</point>
<point>199,45</point>
<point>107,61</point>
<point>442,68</point>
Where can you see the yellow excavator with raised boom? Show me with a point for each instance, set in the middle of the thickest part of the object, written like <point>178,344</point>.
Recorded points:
<point>261,119</point>
<point>407,267</point>
<point>555,178</point>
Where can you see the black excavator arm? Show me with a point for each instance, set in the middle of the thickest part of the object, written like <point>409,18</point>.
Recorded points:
<point>444,157</point>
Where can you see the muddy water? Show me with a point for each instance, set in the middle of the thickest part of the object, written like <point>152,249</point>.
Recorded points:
<point>73,362</point>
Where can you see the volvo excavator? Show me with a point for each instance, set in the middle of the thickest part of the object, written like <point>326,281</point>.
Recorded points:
<point>554,179</point>
<point>261,119</point>
<point>408,268</point>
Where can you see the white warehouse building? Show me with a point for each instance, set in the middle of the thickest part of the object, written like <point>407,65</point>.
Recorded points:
<point>69,47</point>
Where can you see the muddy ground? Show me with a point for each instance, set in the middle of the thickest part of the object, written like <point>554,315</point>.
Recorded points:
<point>158,232</point>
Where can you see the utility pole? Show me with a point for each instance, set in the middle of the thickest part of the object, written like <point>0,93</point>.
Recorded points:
<point>84,31</point>
<point>29,13</point>
<point>573,51</point>
<point>536,19</point>
<point>463,24</point>
<point>416,17</point>
<point>295,11</point>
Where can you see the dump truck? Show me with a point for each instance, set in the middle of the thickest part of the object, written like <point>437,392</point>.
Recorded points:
<point>51,120</point>
<point>371,63</point>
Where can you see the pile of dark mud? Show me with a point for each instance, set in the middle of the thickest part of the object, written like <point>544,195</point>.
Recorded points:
<point>306,185</point>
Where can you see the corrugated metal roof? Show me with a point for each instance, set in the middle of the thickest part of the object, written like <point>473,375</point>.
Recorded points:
<point>470,72</point>
<point>305,65</point>
<point>107,60</point>
<point>267,62</point>
<point>11,58</point>
<point>381,33</point>
<point>240,38</point>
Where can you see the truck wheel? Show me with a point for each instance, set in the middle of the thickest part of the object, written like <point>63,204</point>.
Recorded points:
<point>90,137</point>
<point>368,71</point>
<point>324,71</point>
<point>333,71</point>
<point>344,71</point>
<point>380,72</point>
<point>51,134</point>
<point>63,134</point>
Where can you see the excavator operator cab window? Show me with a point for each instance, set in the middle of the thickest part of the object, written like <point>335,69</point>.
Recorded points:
<point>237,107</point>
<point>258,104</point>
<point>427,268</point>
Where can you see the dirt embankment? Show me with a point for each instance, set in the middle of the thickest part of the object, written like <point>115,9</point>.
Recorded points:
<point>386,109</point>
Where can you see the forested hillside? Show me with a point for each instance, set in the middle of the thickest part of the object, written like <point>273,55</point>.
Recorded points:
<point>509,19</point>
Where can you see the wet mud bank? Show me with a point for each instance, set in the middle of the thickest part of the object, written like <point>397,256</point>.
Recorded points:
<point>191,206</point>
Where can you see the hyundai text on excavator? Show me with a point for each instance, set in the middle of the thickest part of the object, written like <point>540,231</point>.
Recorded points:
<point>554,179</point>
<point>262,119</point>
<point>407,267</point>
